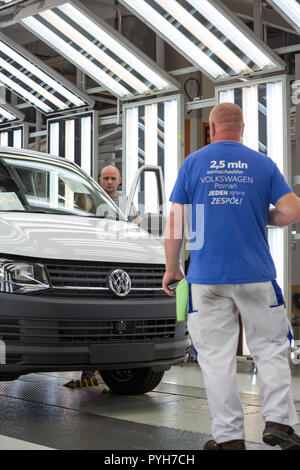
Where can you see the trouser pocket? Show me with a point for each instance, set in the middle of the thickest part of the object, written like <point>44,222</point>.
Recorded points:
<point>280,325</point>
<point>279,322</point>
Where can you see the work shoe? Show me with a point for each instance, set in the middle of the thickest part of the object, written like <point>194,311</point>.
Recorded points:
<point>236,444</point>
<point>281,435</point>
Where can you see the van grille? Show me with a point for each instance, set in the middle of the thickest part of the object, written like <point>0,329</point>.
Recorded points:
<point>85,331</point>
<point>92,278</point>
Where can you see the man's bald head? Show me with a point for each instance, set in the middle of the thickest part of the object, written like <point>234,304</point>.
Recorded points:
<point>226,122</point>
<point>108,169</point>
<point>110,179</point>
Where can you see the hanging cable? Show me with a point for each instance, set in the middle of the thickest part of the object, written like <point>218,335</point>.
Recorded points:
<point>199,88</point>
<point>197,97</point>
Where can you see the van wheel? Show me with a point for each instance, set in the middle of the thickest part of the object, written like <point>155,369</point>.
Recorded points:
<point>131,381</point>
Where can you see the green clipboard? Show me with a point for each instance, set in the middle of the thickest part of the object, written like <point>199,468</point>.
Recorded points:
<point>182,297</point>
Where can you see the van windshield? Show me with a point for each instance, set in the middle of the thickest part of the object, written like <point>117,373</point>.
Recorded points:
<point>35,184</point>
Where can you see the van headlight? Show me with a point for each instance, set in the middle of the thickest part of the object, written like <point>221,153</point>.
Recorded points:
<point>22,278</point>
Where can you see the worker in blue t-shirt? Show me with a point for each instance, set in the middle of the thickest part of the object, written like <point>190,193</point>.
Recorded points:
<point>224,191</point>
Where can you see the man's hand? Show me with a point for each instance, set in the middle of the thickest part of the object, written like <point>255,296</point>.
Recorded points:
<point>169,278</point>
<point>173,240</point>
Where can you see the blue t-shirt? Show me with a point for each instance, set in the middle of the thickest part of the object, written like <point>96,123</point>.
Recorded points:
<point>229,188</point>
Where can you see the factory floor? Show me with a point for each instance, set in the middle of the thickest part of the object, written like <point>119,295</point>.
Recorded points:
<point>38,412</point>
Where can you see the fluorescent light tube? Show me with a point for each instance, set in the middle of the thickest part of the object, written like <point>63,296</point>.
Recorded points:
<point>22,92</point>
<point>70,140</point>
<point>86,144</point>
<point>17,138</point>
<point>190,35</point>
<point>32,84</point>
<point>54,138</point>
<point>97,49</point>
<point>116,47</point>
<point>3,139</point>
<point>132,147</point>
<point>250,112</point>
<point>94,51</point>
<point>204,35</point>
<point>290,10</point>
<point>31,79</point>
<point>275,123</point>
<point>53,189</point>
<point>180,41</point>
<point>76,57</point>
<point>10,52</point>
<point>237,37</point>
<point>151,199</point>
<point>7,116</point>
<point>171,144</point>
<point>69,155</point>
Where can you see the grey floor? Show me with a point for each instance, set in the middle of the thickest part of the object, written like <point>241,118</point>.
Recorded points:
<point>38,412</point>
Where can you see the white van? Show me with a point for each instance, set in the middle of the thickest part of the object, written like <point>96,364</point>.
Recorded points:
<point>79,290</point>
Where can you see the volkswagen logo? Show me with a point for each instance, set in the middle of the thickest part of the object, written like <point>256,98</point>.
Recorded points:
<point>119,282</point>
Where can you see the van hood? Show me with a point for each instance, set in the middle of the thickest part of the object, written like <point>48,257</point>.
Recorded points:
<point>64,237</point>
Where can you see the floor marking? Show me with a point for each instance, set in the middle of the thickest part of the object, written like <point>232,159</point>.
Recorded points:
<point>9,443</point>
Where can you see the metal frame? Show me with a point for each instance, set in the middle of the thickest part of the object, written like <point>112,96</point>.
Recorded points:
<point>25,133</point>
<point>200,104</point>
<point>235,21</point>
<point>180,126</point>
<point>55,75</point>
<point>94,140</point>
<point>47,4</point>
<point>286,166</point>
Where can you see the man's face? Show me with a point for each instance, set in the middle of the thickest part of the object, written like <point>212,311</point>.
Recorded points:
<point>110,180</point>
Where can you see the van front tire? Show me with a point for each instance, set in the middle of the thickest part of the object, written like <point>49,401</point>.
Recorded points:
<point>131,381</point>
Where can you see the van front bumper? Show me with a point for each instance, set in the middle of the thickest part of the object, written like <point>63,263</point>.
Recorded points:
<point>45,333</point>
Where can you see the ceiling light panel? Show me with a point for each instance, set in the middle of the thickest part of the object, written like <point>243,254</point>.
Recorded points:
<point>208,35</point>
<point>97,49</point>
<point>290,10</point>
<point>28,77</point>
<point>9,114</point>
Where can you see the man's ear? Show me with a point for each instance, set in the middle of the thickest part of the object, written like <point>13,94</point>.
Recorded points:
<point>242,131</point>
<point>212,128</point>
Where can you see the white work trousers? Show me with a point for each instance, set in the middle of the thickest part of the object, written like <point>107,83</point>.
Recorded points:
<point>214,330</point>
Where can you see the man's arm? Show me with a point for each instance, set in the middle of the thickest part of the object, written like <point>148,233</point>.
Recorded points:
<point>286,212</point>
<point>173,239</point>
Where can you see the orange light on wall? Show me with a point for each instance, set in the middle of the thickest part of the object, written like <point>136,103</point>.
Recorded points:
<point>205,134</point>
<point>187,139</point>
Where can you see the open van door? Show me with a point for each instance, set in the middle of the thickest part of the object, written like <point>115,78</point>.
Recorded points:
<point>147,196</point>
